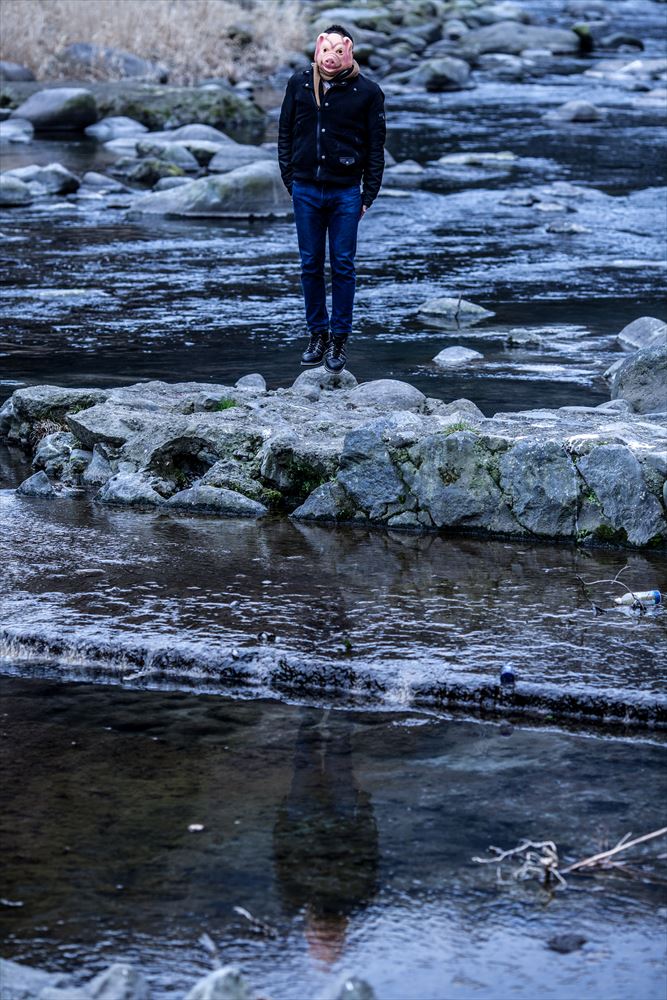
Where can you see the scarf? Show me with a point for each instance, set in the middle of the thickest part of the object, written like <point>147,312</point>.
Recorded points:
<point>344,74</point>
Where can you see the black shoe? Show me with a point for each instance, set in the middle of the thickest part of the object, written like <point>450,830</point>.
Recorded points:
<point>317,348</point>
<point>336,356</point>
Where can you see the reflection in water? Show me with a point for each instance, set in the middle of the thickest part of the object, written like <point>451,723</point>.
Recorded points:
<point>325,837</point>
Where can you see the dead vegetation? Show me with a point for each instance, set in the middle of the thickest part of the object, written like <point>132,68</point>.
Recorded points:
<point>540,860</point>
<point>194,39</point>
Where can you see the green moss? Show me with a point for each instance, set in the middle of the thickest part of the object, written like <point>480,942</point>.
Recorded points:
<point>460,425</point>
<point>224,404</point>
<point>615,536</point>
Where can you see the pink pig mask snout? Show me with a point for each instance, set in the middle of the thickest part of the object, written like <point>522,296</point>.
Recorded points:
<point>333,52</point>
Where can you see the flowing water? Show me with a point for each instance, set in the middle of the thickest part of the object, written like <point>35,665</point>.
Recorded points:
<point>307,811</point>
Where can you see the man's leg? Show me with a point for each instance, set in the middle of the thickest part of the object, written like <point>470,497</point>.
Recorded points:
<point>310,216</point>
<point>343,225</point>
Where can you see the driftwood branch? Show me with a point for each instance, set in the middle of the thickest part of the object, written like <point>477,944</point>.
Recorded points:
<point>623,845</point>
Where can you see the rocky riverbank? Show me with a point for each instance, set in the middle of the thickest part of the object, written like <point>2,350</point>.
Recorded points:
<point>380,453</point>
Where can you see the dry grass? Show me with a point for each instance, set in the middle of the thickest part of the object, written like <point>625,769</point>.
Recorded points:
<point>193,38</point>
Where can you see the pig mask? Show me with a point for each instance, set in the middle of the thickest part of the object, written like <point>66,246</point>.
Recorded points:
<point>333,53</point>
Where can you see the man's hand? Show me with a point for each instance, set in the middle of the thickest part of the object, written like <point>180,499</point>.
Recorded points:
<point>364,209</point>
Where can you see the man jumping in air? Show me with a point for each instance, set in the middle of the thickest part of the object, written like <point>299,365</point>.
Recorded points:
<point>331,155</point>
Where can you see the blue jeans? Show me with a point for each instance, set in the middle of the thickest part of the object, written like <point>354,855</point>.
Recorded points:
<point>319,208</point>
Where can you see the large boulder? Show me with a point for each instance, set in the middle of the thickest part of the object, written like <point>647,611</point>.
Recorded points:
<point>13,192</point>
<point>647,331</point>
<point>255,191</point>
<point>22,982</point>
<point>367,473</point>
<point>160,107</point>
<point>539,480</point>
<point>80,58</point>
<point>36,486</point>
<point>445,73</point>
<point>70,108</point>
<point>514,36</point>
<point>14,72</point>
<point>129,489</point>
<point>642,380</point>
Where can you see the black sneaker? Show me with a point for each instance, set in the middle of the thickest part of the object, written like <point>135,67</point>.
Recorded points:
<point>317,348</point>
<point>336,357</point>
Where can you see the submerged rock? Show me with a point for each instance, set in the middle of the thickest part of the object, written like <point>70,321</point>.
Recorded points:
<point>455,310</point>
<point>53,177</point>
<point>223,984</point>
<point>115,127</point>
<point>450,357</point>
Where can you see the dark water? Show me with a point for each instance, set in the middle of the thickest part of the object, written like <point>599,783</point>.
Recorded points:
<point>350,834</point>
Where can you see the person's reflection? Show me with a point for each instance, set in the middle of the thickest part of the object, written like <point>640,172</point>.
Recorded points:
<point>325,837</point>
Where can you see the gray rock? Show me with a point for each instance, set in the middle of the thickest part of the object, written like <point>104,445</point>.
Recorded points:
<point>100,182</point>
<point>450,357</point>
<point>167,183</point>
<point>454,484</point>
<point>255,191</point>
<point>226,503</point>
<point>196,132</point>
<point>223,984</point>
<point>329,502</point>
<point>643,332</point>
<point>36,486</point>
<point>69,108</point>
<point>388,394</point>
<point>454,310</point>
<point>118,982</point>
<point>80,58</point>
<point>566,943</point>
<point>131,489</point>
<point>367,473</point>
<point>348,987</point>
<point>320,380</point>
<point>296,465</point>
<point>99,470</point>
<point>502,65</point>
<point>13,192</point>
<point>230,156</point>
<point>642,380</point>
<point>505,10</point>
<point>16,130</point>
<point>575,111</point>
<point>615,480</point>
<point>55,178</point>
<point>171,152</point>
<point>51,402</point>
<point>14,72</point>
<point>540,483</point>
<point>253,381</point>
<point>445,73</point>
<point>115,127</point>
<point>514,37</point>
<point>53,450</point>
<point>22,982</point>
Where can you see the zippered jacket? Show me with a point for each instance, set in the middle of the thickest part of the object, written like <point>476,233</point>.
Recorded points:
<point>342,142</point>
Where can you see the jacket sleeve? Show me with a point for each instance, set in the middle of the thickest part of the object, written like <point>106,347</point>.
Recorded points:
<point>285,137</point>
<point>376,131</point>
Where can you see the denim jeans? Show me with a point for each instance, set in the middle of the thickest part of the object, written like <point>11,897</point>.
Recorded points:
<point>318,209</point>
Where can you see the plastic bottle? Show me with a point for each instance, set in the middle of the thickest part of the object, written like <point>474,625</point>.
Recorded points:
<point>507,675</point>
<point>645,596</point>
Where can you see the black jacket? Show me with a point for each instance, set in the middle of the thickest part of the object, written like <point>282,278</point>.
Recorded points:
<point>342,142</point>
